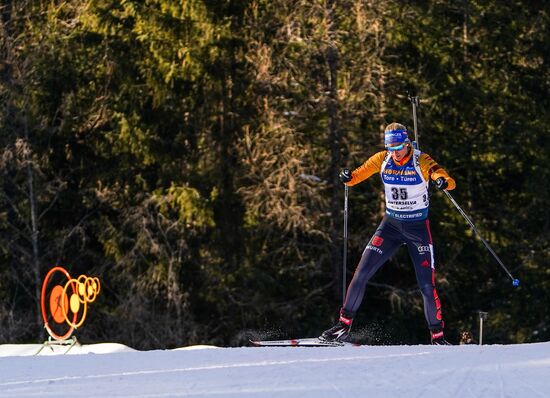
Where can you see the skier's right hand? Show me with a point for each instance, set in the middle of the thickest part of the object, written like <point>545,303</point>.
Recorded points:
<point>345,175</point>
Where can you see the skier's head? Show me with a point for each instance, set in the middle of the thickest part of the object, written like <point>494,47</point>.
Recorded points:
<point>397,141</point>
<point>395,137</point>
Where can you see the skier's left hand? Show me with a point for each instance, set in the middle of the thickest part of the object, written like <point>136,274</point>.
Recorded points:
<point>441,183</point>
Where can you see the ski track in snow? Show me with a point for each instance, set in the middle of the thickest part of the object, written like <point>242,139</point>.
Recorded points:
<point>377,371</point>
<point>201,368</point>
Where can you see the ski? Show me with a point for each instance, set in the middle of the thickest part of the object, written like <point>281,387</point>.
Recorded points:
<point>308,342</point>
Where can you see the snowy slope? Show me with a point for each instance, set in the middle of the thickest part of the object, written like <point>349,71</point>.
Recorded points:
<point>377,371</point>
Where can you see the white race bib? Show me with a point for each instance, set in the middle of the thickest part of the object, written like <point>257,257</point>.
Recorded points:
<point>405,188</point>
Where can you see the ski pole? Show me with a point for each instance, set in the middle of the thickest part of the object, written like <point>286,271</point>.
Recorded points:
<point>415,101</point>
<point>344,267</point>
<point>515,282</point>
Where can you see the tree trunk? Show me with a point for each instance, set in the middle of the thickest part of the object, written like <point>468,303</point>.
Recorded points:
<point>335,144</point>
<point>34,230</point>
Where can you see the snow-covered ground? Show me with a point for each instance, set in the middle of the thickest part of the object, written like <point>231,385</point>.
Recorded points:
<point>110,370</point>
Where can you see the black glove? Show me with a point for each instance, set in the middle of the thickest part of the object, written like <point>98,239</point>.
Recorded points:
<point>441,183</point>
<point>345,175</point>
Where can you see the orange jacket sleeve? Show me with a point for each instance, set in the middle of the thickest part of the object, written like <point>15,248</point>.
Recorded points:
<point>432,171</point>
<point>370,167</point>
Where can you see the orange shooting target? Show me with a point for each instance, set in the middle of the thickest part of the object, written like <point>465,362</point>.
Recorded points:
<point>64,301</point>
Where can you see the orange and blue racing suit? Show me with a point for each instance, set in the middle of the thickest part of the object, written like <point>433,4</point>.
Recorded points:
<point>405,222</point>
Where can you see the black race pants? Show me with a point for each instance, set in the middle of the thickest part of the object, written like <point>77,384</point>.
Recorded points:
<point>389,236</point>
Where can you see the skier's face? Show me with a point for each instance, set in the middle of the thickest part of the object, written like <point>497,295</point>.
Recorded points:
<point>398,155</point>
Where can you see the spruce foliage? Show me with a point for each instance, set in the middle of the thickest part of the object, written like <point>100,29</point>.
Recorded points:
<point>187,153</point>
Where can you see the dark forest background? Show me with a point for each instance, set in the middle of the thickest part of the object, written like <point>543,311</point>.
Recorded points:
<point>187,152</point>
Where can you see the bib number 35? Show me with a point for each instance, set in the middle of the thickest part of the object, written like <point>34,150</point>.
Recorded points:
<point>399,193</point>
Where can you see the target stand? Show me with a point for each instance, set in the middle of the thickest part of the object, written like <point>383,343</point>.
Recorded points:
<point>51,343</point>
<point>64,304</point>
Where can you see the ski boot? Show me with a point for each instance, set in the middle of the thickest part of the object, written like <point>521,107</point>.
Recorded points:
<point>340,331</point>
<point>438,338</point>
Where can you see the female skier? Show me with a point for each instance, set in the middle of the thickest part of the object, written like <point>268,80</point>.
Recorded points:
<point>406,173</point>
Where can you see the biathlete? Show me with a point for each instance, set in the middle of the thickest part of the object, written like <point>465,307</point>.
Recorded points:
<point>406,173</point>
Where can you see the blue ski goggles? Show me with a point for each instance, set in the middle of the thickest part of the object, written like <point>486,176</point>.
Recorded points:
<point>396,147</point>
